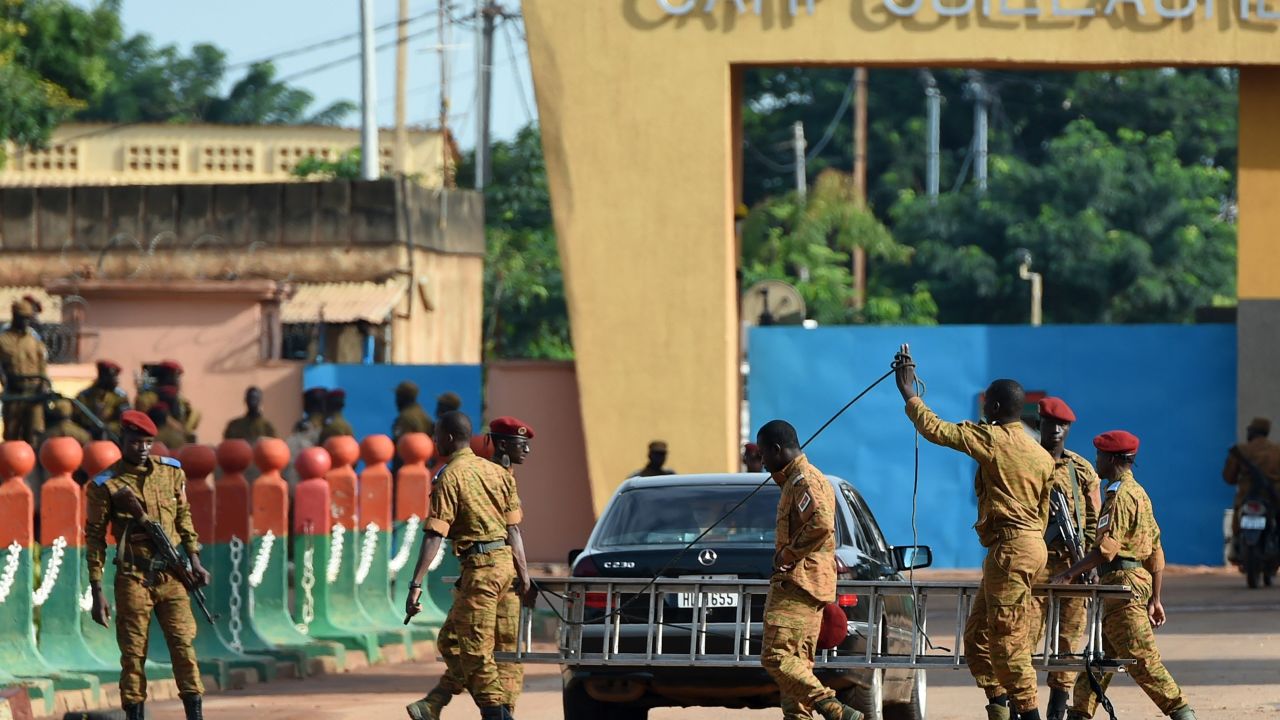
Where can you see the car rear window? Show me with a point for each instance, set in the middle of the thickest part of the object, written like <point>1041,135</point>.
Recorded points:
<point>673,514</point>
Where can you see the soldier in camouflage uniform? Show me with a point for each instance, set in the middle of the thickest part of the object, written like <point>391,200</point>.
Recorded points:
<point>1078,481</point>
<point>1128,553</point>
<point>1012,485</point>
<point>160,485</point>
<point>22,372</point>
<point>105,399</point>
<point>59,423</point>
<point>473,503</point>
<point>510,439</point>
<point>251,426</point>
<point>804,577</point>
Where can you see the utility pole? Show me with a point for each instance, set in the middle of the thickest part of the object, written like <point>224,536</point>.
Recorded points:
<point>860,180</point>
<point>443,29</point>
<point>798,147</point>
<point>489,14</point>
<point>1037,284</point>
<point>368,96</point>
<point>981,101</point>
<point>933,106</point>
<point>402,83</point>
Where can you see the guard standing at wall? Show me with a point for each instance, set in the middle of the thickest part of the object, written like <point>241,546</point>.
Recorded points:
<point>160,485</point>
<point>251,426</point>
<point>105,399</point>
<point>1128,553</point>
<point>167,386</point>
<point>1078,481</point>
<point>804,577</point>
<point>313,408</point>
<point>335,424</point>
<point>169,432</point>
<point>657,461</point>
<point>1012,485</point>
<point>410,416</point>
<point>511,447</point>
<point>1245,462</point>
<point>474,504</point>
<point>23,357</point>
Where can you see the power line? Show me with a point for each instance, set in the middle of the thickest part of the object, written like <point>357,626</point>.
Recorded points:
<point>819,146</point>
<point>349,58</point>
<point>337,40</point>
<point>511,48</point>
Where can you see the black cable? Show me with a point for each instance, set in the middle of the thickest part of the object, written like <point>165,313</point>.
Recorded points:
<point>322,44</point>
<point>657,576</point>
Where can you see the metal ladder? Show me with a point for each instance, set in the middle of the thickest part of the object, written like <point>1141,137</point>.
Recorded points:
<point>591,630</point>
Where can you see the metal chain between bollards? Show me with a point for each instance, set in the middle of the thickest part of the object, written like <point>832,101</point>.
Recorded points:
<point>10,570</point>
<point>401,558</point>
<point>367,550</point>
<point>56,553</point>
<point>308,583</point>
<point>236,625</point>
<point>262,560</point>
<point>335,552</point>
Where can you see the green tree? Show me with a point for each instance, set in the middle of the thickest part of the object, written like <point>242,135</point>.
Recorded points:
<point>346,167</point>
<point>809,243</point>
<point>1122,228</point>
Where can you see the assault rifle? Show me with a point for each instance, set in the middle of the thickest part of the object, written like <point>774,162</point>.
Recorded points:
<point>1061,528</point>
<point>166,557</point>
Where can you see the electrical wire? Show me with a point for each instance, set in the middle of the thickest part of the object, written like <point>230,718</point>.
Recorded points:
<point>322,44</point>
<point>511,50</point>
<point>819,146</point>
<point>351,58</point>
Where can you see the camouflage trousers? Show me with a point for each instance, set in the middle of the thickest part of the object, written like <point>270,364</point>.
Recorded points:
<point>510,675</point>
<point>24,421</point>
<point>998,633</point>
<point>486,580</point>
<point>792,621</point>
<point>134,604</point>
<point>1127,633</point>
<point>1072,620</point>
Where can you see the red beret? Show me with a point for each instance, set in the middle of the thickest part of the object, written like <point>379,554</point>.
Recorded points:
<point>108,365</point>
<point>751,448</point>
<point>161,405</point>
<point>336,393</point>
<point>173,365</point>
<point>510,426</point>
<point>1056,408</point>
<point>834,628</point>
<point>1117,441</point>
<point>138,421</point>
<point>168,389</point>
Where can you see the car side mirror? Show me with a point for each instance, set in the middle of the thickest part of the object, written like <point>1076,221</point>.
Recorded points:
<point>912,557</point>
<point>573,556</point>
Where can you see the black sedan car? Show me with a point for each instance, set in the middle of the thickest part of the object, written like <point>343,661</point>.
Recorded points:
<point>650,520</point>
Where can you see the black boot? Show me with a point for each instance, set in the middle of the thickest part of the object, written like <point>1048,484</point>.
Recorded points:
<point>1058,700</point>
<point>194,705</point>
<point>493,712</point>
<point>998,708</point>
<point>135,712</point>
<point>1032,714</point>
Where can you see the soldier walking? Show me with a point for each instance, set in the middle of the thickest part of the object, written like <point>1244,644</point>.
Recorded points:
<point>1128,553</point>
<point>159,484</point>
<point>804,577</point>
<point>474,503</point>
<point>1012,485</point>
<point>1078,482</point>
<point>510,438</point>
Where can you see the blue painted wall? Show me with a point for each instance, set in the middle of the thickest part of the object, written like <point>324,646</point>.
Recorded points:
<point>1172,385</point>
<point>371,406</point>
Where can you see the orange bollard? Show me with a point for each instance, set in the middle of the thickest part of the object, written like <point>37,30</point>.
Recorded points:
<point>375,516</point>
<point>270,502</point>
<point>61,508</point>
<point>17,504</point>
<point>231,496</point>
<point>198,462</point>
<point>413,505</point>
<point>160,449</point>
<point>482,446</point>
<point>344,497</point>
<point>375,480</point>
<point>311,514</point>
<point>413,481</point>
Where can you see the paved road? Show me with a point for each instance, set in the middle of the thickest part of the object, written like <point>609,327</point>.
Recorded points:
<point>1222,643</point>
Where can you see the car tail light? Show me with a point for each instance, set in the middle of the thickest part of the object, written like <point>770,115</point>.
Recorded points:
<point>586,567</point>
<point>842,570</point>
<point>847,601</point>
<point>1253,508</point>
<point>597,600</point>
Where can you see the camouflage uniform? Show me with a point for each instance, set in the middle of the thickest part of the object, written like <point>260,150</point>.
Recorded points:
<point>22,357</point>
<point>473,501</point>
<point>1129,540</point>
<point>1266,456</point>
<point>805,538</point>
<point>65,427</point>
<point>1012,485</point>
<point>106,404</point>
<point>249,427</point>
<point>171,434</point>
<point>510,674</point>
<point>161,487</point>
<point>1079,482</point>
<point>181,410</point>
<point>335,425</point>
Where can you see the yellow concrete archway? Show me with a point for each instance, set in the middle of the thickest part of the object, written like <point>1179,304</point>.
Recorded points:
<point>639,102</point>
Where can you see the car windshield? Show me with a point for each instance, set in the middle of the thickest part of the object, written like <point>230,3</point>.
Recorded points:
<point>673,514</point>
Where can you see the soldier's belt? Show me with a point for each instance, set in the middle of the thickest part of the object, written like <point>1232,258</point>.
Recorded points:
<point>482,548</point>
<point>1118,564</point>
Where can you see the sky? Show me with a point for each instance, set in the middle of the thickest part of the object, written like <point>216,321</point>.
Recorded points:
<point>249,30</point>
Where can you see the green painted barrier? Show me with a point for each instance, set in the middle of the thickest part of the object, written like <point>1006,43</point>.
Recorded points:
<point>413,505</point>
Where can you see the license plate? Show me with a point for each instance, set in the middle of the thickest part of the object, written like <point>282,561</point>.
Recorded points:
<point>689,600</point>
<point>1253,522</point>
